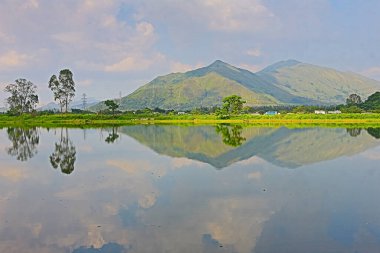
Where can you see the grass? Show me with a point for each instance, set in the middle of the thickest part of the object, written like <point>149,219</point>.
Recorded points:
<point>93,120</point>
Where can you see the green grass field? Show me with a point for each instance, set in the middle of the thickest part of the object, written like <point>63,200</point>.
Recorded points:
<point>93,120</point>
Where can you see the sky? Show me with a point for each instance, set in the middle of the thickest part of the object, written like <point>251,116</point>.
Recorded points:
<point>113,47</point>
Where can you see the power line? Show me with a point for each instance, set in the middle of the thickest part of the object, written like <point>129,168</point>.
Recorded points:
<point>84,101</point>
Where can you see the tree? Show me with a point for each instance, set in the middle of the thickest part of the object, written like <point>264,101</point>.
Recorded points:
<point>354,99</point>
<point>352,109</point>
<point>232,105</point>
<point>375,132</point>
<point>372,102</point>
<point>24,142</point>
<point>113,136</point>
<point>354,132</point>
<point>232,135</point>
<point>23,97</point>
<point>63,88</point>
<point>64,155</point>
<point>112,106</point>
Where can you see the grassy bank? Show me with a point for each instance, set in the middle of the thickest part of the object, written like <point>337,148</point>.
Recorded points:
<point>93,120</point>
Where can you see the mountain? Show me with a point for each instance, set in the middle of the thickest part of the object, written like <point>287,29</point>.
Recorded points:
<point>286,82</point>
<point>325,85</point>
<point>289,148</point>
<point>78,104</point>
<point>3,109</point>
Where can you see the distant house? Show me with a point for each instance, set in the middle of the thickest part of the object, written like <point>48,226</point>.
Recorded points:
<point>271,113</point>
<point>181,113</point>
<point>334,112</point>
<point>319,112</point>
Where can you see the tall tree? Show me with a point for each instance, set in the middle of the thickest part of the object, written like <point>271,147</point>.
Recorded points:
<point>23,97</point>
<point>354,99</point>
<point>112,106</point>
<point>24,142</point>
<point>64,155</point>
<point>63,88</point>
<point>232,105</point>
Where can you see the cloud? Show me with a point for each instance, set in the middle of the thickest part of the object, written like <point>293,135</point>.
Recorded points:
<point>182,67</point>
<point>30,4</point>
<point>256,175</point>
<point>254,160</point>
<point>85,83</point>
<point>183,162</point>
<point>214,15</point>
<point>12,174</point>
<point>5,38</point>
<point>256,52</point>
<point>252,68</point>
<point>372,155</point>
<point>373,72</point>
<point>13,59</point>
<point>236,15</point>
<point>69,37</point>
<point>134,63</point>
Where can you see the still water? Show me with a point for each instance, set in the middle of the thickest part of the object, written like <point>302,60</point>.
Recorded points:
<point>189,189</point>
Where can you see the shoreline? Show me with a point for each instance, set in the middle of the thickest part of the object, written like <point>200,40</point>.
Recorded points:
<point>91,120</point>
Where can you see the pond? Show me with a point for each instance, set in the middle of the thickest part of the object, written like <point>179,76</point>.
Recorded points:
<point>168,188</point>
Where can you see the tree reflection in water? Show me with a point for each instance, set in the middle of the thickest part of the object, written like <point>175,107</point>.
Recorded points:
<point>112,136</point>
<point>375,132</point>
<point>354,132</point>
<point>232,135</point>
<point>64,155</point>
<point>24,142</point>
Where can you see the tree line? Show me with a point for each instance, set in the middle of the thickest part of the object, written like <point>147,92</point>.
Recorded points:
<point>24,99</point>
<point>23,93</point>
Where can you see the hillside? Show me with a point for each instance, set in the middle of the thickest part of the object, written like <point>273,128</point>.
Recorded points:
<point>286,82</point>
<point>288,148</point>
<point>321,84</point>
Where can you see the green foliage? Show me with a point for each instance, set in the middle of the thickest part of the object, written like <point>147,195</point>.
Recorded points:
<point>112,106</point>
<point>354,99</point>
<point>232,105</point>
<point>304,109</point>
<point>352,109</point>
<point>24,142</point>
<point>63,88</point>
<point>64,155</point>
<point>320,85</point>
<point>232,135</point>
<point>23,97</point>
<point>375,132</point>
<point>372,102</point>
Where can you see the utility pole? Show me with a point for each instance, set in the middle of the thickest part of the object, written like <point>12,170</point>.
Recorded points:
<point>84,101</point>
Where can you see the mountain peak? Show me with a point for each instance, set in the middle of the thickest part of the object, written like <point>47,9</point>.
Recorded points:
<point>218,63</point>
<point>281,64</point>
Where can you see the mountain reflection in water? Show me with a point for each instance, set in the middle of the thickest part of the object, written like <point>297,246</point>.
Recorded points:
<point>224,145</point>
<point>153,189</point>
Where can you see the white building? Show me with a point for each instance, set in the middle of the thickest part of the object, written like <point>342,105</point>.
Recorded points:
<point>319,112</point>
<point>334,112</point>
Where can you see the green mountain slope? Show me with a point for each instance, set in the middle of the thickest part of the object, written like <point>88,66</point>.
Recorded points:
<point>290,148</point>
<point>316,83</point>
<point>202,87</point>
<point>286,82</point>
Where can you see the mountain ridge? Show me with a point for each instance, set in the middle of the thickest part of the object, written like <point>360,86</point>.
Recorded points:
<point>288,82</point>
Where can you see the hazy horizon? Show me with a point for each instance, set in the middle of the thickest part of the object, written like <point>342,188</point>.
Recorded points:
<point>117,46</point>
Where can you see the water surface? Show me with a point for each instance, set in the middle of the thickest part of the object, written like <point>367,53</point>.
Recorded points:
<point>189,189</point>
